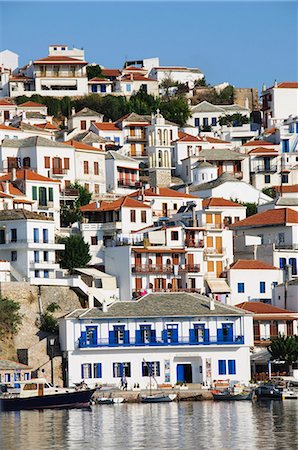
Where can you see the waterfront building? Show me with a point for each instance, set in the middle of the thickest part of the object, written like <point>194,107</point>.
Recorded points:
<point>252,281</point>
<point>12,372</point>
<point>181,337</point>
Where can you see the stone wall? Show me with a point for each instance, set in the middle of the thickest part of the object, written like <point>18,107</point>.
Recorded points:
<point>160,177</point>
<point>241,94</point>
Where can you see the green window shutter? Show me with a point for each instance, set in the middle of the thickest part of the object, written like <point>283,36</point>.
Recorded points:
<point>34,193</point>
<point>51,196</point>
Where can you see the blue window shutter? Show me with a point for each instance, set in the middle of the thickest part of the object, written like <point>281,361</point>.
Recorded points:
<point>232,366</point>
<point>36,234</point>
<point>111,337</point>
<point>293,264</point>
<point>296,127</point>
<point>192,336</point>
<point>126,337</point>
<point>34,193</point>
<point>51,195</point>
<point>206,335</point>
<point>197,122</point>
<point>83,338</point>
<point>262,287</point>
<point>222,367</point>
<point>138,337</point>
<point>219,335</point>
<point>175,335</point>
<point>143,369</point>
<point>121,370</point>
<point>99,370</point>
<point>153,335</point>
<point>165,335</point>
<point>82,371</point>
<point>45,235</point>
<point>282,263</point>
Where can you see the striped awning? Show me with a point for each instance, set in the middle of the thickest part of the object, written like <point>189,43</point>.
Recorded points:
<point>218,286</point>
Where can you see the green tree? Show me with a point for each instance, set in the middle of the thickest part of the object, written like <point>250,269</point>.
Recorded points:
<point>84,195</point>
<point>10,317</point>
<point>233,120</point>
<point>284,348</point>
<point>270,191</point>
<point>176,110</point>
<point>201,82</point>
<point>48,323</point>
<point>94,71</point>
<point>76,253</point>
<point>226,96</point>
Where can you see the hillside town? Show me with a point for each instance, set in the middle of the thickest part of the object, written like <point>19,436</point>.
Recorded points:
<point>162,238</point>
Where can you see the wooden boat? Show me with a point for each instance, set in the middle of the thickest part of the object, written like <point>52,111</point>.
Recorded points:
<point>268,392</point>
<point>229,396</point>
<point>39,394</point>
<point>158,398</point>
<point>109,400</point>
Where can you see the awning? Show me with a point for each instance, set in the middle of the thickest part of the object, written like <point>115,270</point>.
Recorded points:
<point>218,286</point>
<point>260,356</point>
<point>128,168</point>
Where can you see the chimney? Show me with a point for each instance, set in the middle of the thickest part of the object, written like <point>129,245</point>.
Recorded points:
<point>6,187</point>
<point>73,111</point>
<point>157,190</point>
<point>104,306</point>
<point>13,174</point>
<point>186,189</point>
<point>246,103</point>
<point>97,203</point>
<point>211,303</point>
<point>131,77</point>
<point>194,220</point>
<point>275,83</point>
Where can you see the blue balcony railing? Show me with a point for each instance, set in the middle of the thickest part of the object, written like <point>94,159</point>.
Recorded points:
<point>159,342</point>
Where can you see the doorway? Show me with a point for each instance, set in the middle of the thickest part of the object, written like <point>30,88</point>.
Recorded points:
<point>184,373</point>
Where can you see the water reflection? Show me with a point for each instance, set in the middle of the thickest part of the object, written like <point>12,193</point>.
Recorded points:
<point>204,425</point>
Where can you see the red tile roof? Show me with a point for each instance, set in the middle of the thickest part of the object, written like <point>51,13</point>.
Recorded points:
<point>4,102</point>
<point>262,150</point>
<point>82,146</point>
<point>106,126</point>
<point>257,142</point>
<point>7,127</point>
<point>163,192</point>
<point>60,60</point>
<point>136,77</point>
<point>110,72</point>
<point>30,104</point>
<point>262,308</point>
<point>99,80</point>
<point>134,68</point>
<point>115,205</point>
<point>185,137</point>
<point>11,189</point>
<point>288,85</point>
<point>293,188</point>
<point>251,264</point>
<point>46,126</point>
<point>268,218</point>
<point>215,201</point>
<point>213,140</point>
<point>27,174</point>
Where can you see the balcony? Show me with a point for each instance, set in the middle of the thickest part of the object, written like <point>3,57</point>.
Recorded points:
<point>189,268</point>
<point>47,206</point>
<point>58,172</point>
<point>264,169</point>
<point>148,268</point>
<point>138,138</point>
<point>127,184</point>
<point>159,342</point>
<point>194,244</point>
<point>138,292</point>
<point>285,247</point>
<point>214,251</point>
<point>214,226</point>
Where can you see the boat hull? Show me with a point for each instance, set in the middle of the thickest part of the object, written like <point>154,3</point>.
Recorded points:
<point>232,398</point>
<point>67,399</point>
<point>158,399</point>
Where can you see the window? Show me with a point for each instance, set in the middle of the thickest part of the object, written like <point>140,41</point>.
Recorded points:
<point>132,215</point>
<point>97,370</point>
<point>86,186</point>
<point>117,140</point>
<point>94,88</point>
<point>293,264</point>
<point>96,189</point>
<point>46,273</point>
<point>66,163</point>
<point>42,196</point>
<point>281,238</point>
<point>14,256</point>
<point>262,287</point>
<point>267,179</point>
<point>222,370</point>
<point>285,178</point>
<point>213,121</point>
<point>285,146</point>
<point>232,367</point>
<point>121,369</point>
<point>151,368</point>
<point>7,377</point>
<point>282,263</point>
<point>36,235</point>
<point>119,335</point>
<point>2,236</point>
<point>34,193</point>
<point>51,195</point>
<point>145,335</point>
<point>86,370</point>
<point>83,125</point>
<point>205,121</point>
<point>174,235</point>
<point>26,162</point>
<point>143,216</point>
<point>27,376</point>
<point>45,236</point>
<point>86,167</point>
<point>94,240</point>
<point>36,273</point>
<point>128,87</point>
<point>46,256</point>
<point>96,168</point>
<point>240,288</point>
<point>14,237</point>
<point>47,162</point>
<point>36,256</point>
<point>175,206</point>
<point>103,88</point>
<point>197,122</point>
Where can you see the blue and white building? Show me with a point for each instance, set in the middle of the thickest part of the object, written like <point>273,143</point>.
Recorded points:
<point>180,336</point>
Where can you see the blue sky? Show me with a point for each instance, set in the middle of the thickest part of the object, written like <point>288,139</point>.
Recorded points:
<point>245,43</point>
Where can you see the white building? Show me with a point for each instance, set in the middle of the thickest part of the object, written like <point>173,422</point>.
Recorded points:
<point>122,173</point>
<point>252,280</point>
<point>279,102</point>
<point>27,240</point>
<point>132,83</point>
<point>184,75</point>
<point>9,62</point>
<point>182,337</point>
<point>83,119</point>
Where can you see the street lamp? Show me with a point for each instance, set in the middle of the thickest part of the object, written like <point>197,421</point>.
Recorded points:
<point>52,343</point>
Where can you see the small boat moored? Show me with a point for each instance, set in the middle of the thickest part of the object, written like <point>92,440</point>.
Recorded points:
<point>230,396</point>
<point>158,398</point>
<point>268,392</point>
<point>109,400</point>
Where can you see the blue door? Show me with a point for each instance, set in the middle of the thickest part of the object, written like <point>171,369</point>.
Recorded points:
<point>227,332</point>
<point>91,335</point>
<point>172,332</point>
<point>180,372</point>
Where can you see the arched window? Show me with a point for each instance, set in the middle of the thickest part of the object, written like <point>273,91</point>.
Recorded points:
<point>26,162</point>
<point>166,162</point>
<point>159,135</point>
<point>160,159</point>
<point>165,137</point>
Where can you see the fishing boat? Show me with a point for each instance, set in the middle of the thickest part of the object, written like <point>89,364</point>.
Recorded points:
<point>37,393</point>
<point>268,392</point>
<point>230,396</point>
<point>155,398</point>
<point>109,400</point>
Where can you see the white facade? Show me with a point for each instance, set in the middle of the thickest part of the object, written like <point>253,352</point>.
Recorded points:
<point>95,338</point>
<point>122,173</point>
<point>183,75</point>
<point>279,102</point>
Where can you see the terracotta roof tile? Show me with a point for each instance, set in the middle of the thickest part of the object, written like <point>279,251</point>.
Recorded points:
<point>216,201</point>
<point>30,104</point>
<point>257,142</point>
<point>213,140</point>
<point>163,192</point>
<point>59,59</point>
<point>288,85</point>
<point>106,126</point>
<point>46,126</point>
<point>261,308</point>
<point>136,77</point>
<point>284,189</point>
<point>272,217</point>
<point>251,264</point>
<point>4,102</point>
<point>6,127</point>
<point>262,150</point>
<point>82,146</point>
<point>110,72</point>
<point>27,174</point>
<point>185,137</point>
<point>115,205</point>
